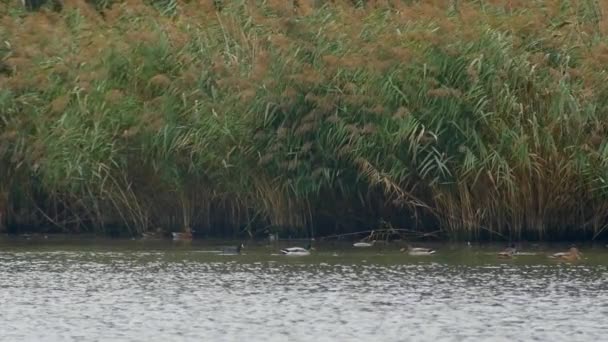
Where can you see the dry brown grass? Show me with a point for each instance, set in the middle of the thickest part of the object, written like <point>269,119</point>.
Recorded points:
<point>444,92</point>
<point>59,104</point>
<point>114,96</point>
<point>160,81</point>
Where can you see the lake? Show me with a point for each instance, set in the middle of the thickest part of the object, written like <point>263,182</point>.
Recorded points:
<point>101,290</point>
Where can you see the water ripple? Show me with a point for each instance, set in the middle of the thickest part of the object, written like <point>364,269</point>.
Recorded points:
<point>147,296</point>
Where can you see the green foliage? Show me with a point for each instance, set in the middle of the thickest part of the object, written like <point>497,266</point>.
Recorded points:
<point>485,120</point>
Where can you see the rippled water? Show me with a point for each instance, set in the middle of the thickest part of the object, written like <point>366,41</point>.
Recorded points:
<point>135,292</point>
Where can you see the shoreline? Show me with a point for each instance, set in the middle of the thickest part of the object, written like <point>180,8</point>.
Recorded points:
<point>93,237</point>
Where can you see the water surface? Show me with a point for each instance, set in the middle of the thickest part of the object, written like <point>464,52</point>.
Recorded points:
<point>161,291</point>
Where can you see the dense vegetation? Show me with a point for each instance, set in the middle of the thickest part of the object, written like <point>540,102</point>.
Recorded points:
<point>481,119</point>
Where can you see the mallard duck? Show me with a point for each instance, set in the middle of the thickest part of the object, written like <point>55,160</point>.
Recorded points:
<point>232,250</point>
<point>508,252</point>
<point>572,254</point>
<point>179,236</point>
<point>364,244</point>
<point>297,251</point>
<point>418,251</point>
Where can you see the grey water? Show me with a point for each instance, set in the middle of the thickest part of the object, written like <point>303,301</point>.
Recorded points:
<point>162,291</point>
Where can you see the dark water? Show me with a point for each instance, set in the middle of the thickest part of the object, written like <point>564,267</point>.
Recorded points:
<point>160,291</point>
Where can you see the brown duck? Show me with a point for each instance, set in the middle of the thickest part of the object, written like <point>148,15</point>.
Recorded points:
<point>573,254</point>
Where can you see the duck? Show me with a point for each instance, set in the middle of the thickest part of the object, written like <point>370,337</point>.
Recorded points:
<point>508,252</point>
<point>418,251</point>
<point>181,236</point>
<point>232,250</point>
<point>364,244</point>
<point>152,235</point>
<point>572,254</point>
<point>297,251</point>
<point>149,236</point>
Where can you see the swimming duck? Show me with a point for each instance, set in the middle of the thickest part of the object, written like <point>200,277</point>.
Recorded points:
<point>364,244</point>
<point>297,251</point>
<point>572,254</point>
<point>179,236</point>
<point>508,252</point>
<point>152,235</point>
<point>232,250</point>
<point>418,251</point>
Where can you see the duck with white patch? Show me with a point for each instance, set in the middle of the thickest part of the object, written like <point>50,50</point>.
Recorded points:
<point>296,251</point>
<point>573,254</point>
<point>418,251</point>
<point>182,236</point>
<point>363,244</point>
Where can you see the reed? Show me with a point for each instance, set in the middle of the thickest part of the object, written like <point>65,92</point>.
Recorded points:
<point>482,119</point>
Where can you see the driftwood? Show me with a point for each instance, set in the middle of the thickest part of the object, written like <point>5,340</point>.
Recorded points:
<point>385,234</point>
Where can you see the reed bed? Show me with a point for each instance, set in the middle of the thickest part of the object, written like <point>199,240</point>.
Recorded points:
<point>483,119</point>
